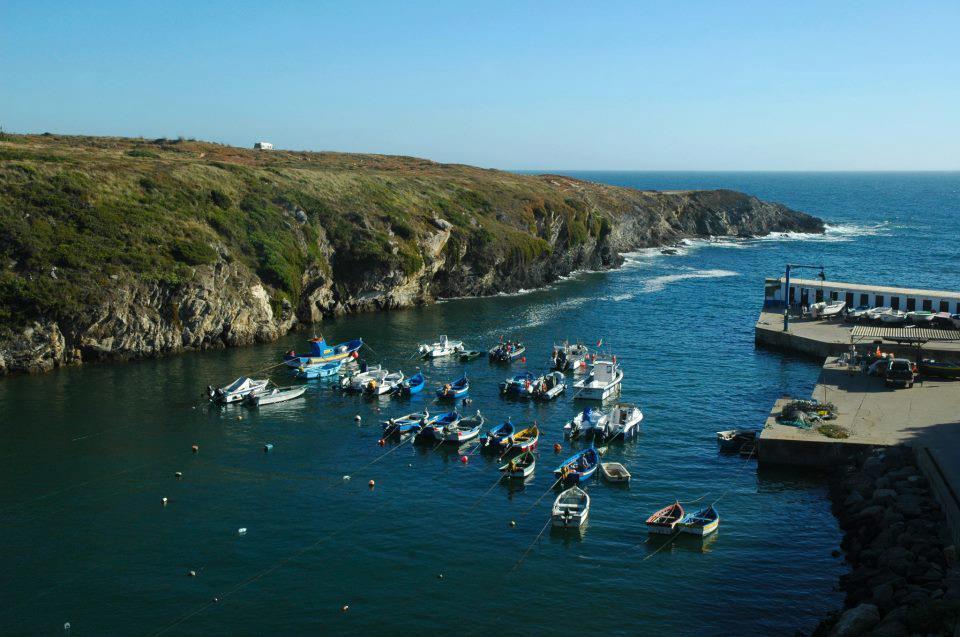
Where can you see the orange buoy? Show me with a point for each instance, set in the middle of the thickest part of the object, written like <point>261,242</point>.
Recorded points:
<point>371,484</point>
<point>464,459</point>
<point>523,359</point>
<point>381,442</point>
<point>195,448</point>
<point>557,448</point>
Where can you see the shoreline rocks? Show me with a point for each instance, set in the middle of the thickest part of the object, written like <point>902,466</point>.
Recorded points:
<point>903,578</point>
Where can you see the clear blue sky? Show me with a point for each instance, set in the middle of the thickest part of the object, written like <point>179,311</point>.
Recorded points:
<point>606,85</point>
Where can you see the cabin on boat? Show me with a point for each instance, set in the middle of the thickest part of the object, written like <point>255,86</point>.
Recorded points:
<point>805,292</point>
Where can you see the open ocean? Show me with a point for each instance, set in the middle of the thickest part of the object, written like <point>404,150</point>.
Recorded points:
<point>88,453</point>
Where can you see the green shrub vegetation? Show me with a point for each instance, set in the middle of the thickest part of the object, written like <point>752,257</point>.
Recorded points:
<point>78,214</point>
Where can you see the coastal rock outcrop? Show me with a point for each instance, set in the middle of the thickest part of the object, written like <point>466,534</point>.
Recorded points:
<point>115,249</point>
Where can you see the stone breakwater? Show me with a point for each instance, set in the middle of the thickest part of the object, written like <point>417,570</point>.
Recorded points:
<point>903,578</point>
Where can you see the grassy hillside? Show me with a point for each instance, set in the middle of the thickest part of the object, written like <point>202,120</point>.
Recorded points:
<point>78,214</point>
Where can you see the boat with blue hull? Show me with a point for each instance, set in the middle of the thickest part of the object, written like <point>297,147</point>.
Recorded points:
<point>462,431</point>
<point>457,389</point>
<point>518,386</point>
<point>403,425</point>
<point>579,467</point>
<point>432,427</point>
<point>702,523</point>
<point>323,370</point>
<point>413,385</point>
<point>322,352</point>
<point>492,439</point>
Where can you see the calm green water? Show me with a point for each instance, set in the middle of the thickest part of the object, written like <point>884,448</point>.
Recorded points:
<point>89,453</point>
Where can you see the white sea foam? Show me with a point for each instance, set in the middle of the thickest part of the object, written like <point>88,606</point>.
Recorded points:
<point>658,283</point>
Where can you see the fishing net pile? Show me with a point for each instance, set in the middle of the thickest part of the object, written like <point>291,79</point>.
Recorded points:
<point>805,413</point>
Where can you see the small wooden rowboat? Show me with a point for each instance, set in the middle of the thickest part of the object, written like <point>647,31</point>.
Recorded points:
<point>614,472</point>
<point>457,389</point>
<point>275,395</point>
<point>322,370</point>
<point>462,431</point>
<point>523,440</point>
<point>521,466</point>
<point>470,355</point>
<point>666,519</point>
<point>413,385</point>
<point>571,508</point>
<point>493,438</point>
<point>732,439</point>
<point>507,352</point>
<point>703,522</point>
<point>579,467</point>
<point>410,423</point>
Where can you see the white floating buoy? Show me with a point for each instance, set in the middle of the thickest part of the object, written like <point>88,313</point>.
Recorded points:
<point>357,417</point>
<point>164,500</point>
<point>268,446</point>
<point>192,573</point>
<point>242,530</point>
<point>346,478</point>
<point>177,474</point>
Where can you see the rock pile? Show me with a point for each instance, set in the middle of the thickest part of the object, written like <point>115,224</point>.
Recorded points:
<point>904,578</point>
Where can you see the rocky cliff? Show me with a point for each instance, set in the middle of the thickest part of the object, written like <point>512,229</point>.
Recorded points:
<point>118,248</point>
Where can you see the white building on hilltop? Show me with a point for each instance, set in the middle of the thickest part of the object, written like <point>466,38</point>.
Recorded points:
<point>263,146</point>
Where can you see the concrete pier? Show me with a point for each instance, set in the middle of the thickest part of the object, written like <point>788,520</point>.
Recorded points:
<point>926,416</point>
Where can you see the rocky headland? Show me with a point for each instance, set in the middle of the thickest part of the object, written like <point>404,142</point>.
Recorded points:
<point>116,248</point>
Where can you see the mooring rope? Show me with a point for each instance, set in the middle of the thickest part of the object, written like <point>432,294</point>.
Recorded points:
<point>529,548</point>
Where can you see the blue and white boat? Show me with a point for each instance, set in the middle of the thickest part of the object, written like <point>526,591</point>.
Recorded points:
<point>413,385</point>
<point>585,424</point>
<point>579,467</point>
<point>463,430</point>
<point>702,523</point>
<point>457,389</point>
<point>404,425</point>
<point>492,439</point>
<point>323,370</point>
<point>321,352</point>
<point>519,386</point>
<point>433,425</point>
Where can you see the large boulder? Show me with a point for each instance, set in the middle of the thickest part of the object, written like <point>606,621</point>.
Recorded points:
<point>856,621</point>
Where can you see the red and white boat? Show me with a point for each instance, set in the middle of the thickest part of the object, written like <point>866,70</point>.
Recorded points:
<point>666,519</point>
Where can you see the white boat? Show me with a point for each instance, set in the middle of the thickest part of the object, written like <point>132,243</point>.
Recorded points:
<point>877,313</point>
<point>614,472</point>
<point>568,357</point>
<point>463,430</point>
<point>825,310</point>
<point>584,423</point>
<point>920,318</point>
<point>622,422</point>
<point>549,386</point>
<point>443,347</point>
<point>385,385</point>
<point>237,390</point>
<point>275,395</point>
<point>894,317</point>
<point>602,382</point>
<point>356,382</point>
<point>571,508</point>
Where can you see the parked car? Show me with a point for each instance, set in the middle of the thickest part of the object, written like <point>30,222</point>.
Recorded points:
<point>900,371</point>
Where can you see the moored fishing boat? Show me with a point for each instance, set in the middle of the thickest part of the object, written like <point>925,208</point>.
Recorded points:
<point>470,355</point>
<point>492,439</point>
<point>321,352</point>
<point>920,318</point>
<point>412,385</point>
<point>568,357</point>
<point>520,467</point>
<point>386,385</point>
<point>622,422</point>
<point>585,423</point>
<point>549,386</point>
<point>579,467</point>
<point>453,390</point>
<point>571,508</point>
<point>461,431</point>
<point>614,472</point>
<point>443,347</point>
<point>237,390</point>
<point>702,523</point>
<point>507,352</point>
<point>666,519</point>
<point>406,424</point>
<point>602,382</point>
<point>519,386</point>
<point>732,439</point>
<point>275,395</point>
<point>523,440</point>
<point>357,381</point>
<point>432,426</point>
<point>321,370</point>
<point>893,317</point>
